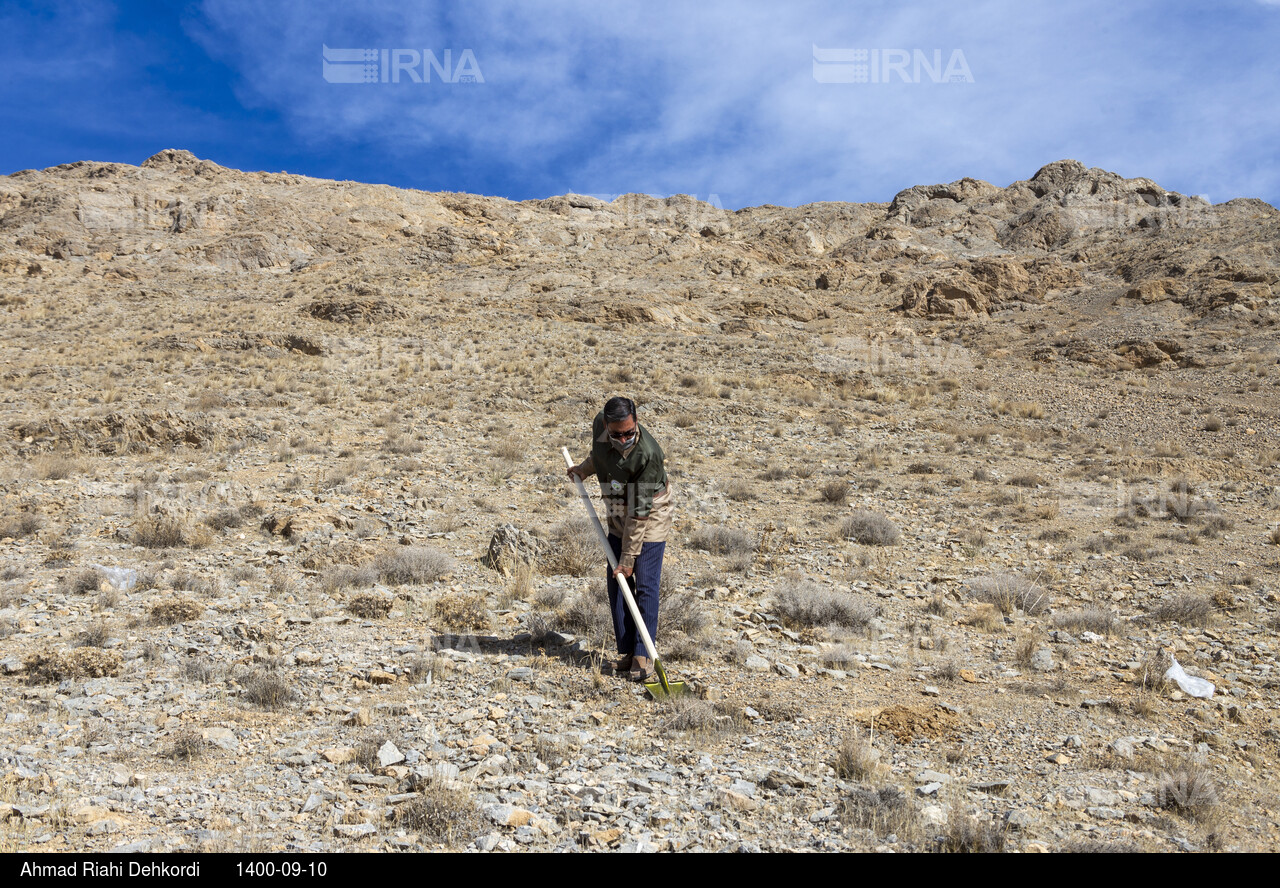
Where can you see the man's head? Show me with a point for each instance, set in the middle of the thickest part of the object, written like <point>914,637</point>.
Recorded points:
<point>620,421</point>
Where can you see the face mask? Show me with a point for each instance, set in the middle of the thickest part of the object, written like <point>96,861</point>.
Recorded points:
<point>623,444</point>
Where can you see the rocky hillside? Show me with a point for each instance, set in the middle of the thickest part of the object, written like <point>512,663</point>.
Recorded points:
<point>287,558</point>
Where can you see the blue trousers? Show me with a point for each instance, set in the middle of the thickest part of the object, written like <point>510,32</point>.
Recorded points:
<point>644,586</point>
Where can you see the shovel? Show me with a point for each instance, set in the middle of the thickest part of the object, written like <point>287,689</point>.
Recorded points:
<point>662,689</point>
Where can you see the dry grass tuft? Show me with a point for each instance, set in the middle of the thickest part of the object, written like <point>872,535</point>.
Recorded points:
<point>82,662</point>
<point>268,689</point>
<point>164,532</point>
<point>370,607</point>
<point>968,835</point>
<point>82,583</point>
<point>1189,790</point>
<point>883,811</point>
<point>856,759</point>
<point>574,549</point>
<point>720,540</point>
<point>835,492</point>
<point>869,528</point>
<point>1187,609</point>
<point>22,525</point>
<point>175,610</point>
<point>187,744</point>
<point>413,564</point>
<point>462,612</point>
<point>444,812</point>
<point>1010,592</point>
<point>804,602</point>
<point>1097,620</point>
<point>586,613</point>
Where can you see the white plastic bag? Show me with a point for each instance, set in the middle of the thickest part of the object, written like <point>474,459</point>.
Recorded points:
<point>1196,687</point>
<point>122,578</point>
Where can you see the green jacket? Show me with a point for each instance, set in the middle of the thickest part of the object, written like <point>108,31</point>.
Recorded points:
<point>635,487</point>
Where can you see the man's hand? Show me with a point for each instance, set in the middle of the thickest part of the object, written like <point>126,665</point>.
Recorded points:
<point>624,572</point>
<point>573,473</point>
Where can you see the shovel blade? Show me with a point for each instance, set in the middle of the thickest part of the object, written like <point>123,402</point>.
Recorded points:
<point>663,688</point>
<point>673,689</point>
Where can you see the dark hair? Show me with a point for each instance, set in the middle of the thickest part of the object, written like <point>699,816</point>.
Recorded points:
<point>617,409</point>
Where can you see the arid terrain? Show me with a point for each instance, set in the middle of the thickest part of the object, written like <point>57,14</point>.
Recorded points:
<point>956,475</point>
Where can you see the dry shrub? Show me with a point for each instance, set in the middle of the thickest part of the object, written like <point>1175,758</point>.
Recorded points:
<point>574,549</point>
<point>96,635</point>
<point>281,583</point>
<point>1189,790</point>
<point>413,564</point>
<point>224,519</point>
<point>1151,672</point>
<point>856,759</point>
<point>740,490</point>
<point>366,752</point>
<point>1025,481</point>
<point>268,689</point>
<point>883,811</point>
<point>1024,649</point>
<point>82,583</point>
<point>1010,592</point>
<point>57,467</point>
<point>186,581</point>
<point>720,540</point>
<point>445,813</point>
<point>690,715</point>
<point>370,607</point>
<point>680,648</point>
<point>968,835</point>
<point>869,528</point>
<point>948,671</point>
<point>985,618</point>
<point>684,612</point>
<point>199,670</point>
<point>835,492</point>
<point>1187,609</point>
<point>586,613</point>
<point>804,602</point>
<point>341,577</point>
<point>458,611</point>
<point>1097,620</point>
<point>187,744</point>
<point>165,532</point>
<point>175,610</point>
<point>82,662</point>
<point>22,525</point>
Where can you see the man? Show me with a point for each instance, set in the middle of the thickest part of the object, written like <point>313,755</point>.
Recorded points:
<point>629,465</point>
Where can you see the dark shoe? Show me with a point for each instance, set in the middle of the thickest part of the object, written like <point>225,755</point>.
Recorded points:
<point>642,669</point>
<point>622,666</point>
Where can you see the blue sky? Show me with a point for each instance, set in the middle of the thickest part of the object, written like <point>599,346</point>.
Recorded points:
<point>717,99</point>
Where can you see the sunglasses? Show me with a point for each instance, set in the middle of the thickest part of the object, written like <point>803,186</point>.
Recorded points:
<point>624,437</point>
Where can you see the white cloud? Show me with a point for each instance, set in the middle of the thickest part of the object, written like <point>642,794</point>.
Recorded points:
<point>720,98</point>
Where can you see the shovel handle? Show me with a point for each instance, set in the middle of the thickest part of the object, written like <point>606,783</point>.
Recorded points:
<point>623,585</point>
